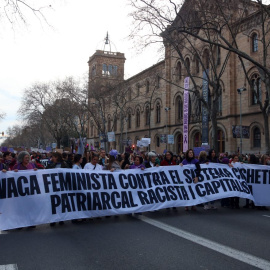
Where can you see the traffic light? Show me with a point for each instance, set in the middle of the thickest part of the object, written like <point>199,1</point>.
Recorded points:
<point>133,147</point>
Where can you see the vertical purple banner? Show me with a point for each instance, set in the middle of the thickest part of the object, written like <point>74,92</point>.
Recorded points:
<point>185,114</point>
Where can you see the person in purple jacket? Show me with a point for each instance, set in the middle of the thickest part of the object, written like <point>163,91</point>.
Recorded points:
<point>189,160</point>
<point>138,163</point>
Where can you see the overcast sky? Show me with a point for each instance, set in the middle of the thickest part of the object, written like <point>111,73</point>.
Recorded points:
<point>39,53</point>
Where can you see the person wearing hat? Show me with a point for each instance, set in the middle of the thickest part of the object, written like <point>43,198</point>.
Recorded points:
<point>152,157</point>
<point>113,163</point>
<point>23,162</point>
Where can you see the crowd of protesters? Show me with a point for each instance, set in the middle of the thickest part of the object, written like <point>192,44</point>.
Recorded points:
<point>114,161</point>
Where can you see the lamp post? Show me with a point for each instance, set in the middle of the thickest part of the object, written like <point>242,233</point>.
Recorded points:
<point>240,90</point>
<point>167,110</point>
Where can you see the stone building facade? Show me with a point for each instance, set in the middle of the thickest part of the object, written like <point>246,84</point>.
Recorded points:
<point>151,103</point>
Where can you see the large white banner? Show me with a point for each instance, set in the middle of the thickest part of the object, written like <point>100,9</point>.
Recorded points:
<point>36,197</point>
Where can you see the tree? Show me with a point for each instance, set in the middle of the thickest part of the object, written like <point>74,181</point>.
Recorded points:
<point>57,114</point>
<point>17,11</point>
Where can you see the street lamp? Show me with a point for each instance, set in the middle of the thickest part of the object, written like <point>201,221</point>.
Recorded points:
<point>240,90</point>
<point>167,110</point>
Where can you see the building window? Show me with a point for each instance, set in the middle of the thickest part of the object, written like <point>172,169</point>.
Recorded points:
<point>104,69</point>
<point>254,42</point>
<point>129,119</point>
<point>179,109</point>
<point>138,116</point>
<point>206,59</point>
<point>147,115</point>
<point>115,123</point>
<point>221,141</point>
<point>178,72</point>
<point>158,112</point>
<point>256,138</point>
<point>187,65</point>
<point>256,91</point>
<point>110,70</point>
<point>197,139</point>
<point>158,81</point>
<point>179,143</point>
<point>147,86</point>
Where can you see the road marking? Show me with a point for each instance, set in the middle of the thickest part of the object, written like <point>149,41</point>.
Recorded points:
<point>231,252</point>
<point>9,267</point>
<point>265,216</point>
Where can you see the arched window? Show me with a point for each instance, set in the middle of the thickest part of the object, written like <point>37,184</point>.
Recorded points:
<point>187,61</point>
<point>147,86</point>
<point>138,116</point>
<point>157,81</point>
<point>256,91</point>
<point>147,115</point>
<point>104,69</point>
<point>197,139</point>
<point>179,143</point>
<point>158,112</point>
<point>254,42</point>
<point>221,141</point>
<point>129,119</point>
<point>115,123</point>
<point>256,137</point>
<point>206,59</point>
<point>178,72</point>
<point>179,109</point>
<point>110,70</point>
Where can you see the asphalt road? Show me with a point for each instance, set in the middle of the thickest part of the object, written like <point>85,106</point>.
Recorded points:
<point>168,239</point>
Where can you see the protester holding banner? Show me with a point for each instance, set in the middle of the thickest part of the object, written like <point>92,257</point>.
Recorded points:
<point>168,160</point>
<point>126,162</point>
<point>8,160</point>
<point>234,201</point>
<point>23,162</point>
<point>93,164</point>
<point>113,163</point>
<point>138,163</point>
<point>57,162</point>
<point>103,160</point>
<point>77,162</point>
<point>212,156</point>
<point>189,160</point>
<point>3,167</point>
<point>152,157</point>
